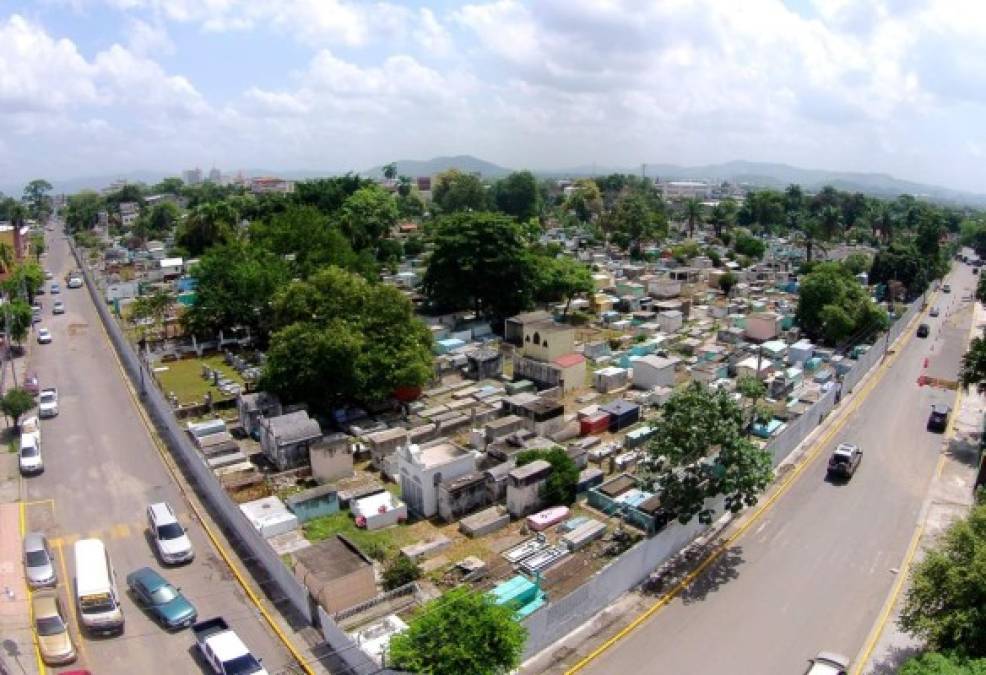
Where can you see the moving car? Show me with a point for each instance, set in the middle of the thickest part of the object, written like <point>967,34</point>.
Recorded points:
<point>845,460</point>
<point>828,663</point>
<point>49,275</point>
<point>947,288</point>
<point>36,310</point>
<point>923,330</point>
<point>39,565</point>
<point>44,336</point>
<point>75,282</point>
<point>170,538</point>
<point>55,289</point>
<point>31,384</point>
<point>933,312</point>
<point>29,455</point>
<point>58,307</point>
<point>51,628</point>
<point>48,402</point>
<point>163,601</point>
<point>938,419</point>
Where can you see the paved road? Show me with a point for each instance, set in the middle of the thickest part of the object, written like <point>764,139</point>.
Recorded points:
<point>815,571</point>
<point>101,470</point>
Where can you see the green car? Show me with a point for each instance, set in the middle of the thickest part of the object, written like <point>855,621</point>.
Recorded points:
<point>164,602</point>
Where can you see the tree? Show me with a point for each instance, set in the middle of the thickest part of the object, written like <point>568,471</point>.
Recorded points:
<point>833,306</point>
<point>367,216</point>
<point>934,663</point>
<point>235,285</point>
<point>753,389</point>
<point>699,451</point>
<point>693,214</point>
<point>972,372</point>
<point>722,216</point>
<point>38,246</point>
<point>811,232</point>
<point>944,604</point>
<point>82,211</point>
<point>17,315</point>
<point>461,632</point>
<point>7,256</point>
<point>454,191</point>
<point>206,226</point>
<point>585,200</point>
<point>762,210</point>
<point>154,307</point>
<point>981,288</point>
<point>328,194</point>
<point>25,281</point>
<point>727,282</point>
<point>36,197</point>
<point>794,198</point>
<point>479,262</point>
<point>15,403</point>
<point>517,196</point>
<point>901,261</point>
<point>560,488</point>
<point>752,247</point>
<point>857,263</point>
<point>172,185</point>
<point>634,222</point>
<point>400,570</point>
<point>156,222</point>
<point>340,338</point>
<point>390,171</point>
<point>560,278</point>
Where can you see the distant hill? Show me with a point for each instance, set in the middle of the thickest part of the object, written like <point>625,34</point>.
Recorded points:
<point>429,167</point>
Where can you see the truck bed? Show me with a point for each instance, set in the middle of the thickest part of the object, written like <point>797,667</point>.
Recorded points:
<point>203,630</point>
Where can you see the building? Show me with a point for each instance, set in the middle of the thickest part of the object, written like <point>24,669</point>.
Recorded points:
<point>547,340</point>
<point>622,414</point>
<point>513,328</point>
<point>483,364</point>
<point>524,487</point>
<point>383,446</point>
<point>654,371</point>
<point>192,176</point>
<point>424,467</point>
<point>607,379</point>
<point>331,458</point>
<point>461,496</point>
<point>763,326</point>
<point>215,176</point>
<point>17,238</point>
<point>336,573</point>
<point>542,415</point>
<point>684,189</point>
<point>567,372</point>
<point>251,407</point>
<point>377,511</point>
<point>270,184</point>
<point>286,439</point>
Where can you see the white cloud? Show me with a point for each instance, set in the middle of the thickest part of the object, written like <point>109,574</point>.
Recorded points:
<point>148,39</point>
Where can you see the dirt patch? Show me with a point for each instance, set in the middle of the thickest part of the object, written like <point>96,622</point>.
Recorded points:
<point>78,328</point>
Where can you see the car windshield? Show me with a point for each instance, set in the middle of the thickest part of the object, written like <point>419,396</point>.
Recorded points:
<point>50,625</point>
<point>242,665</point>
<point>170,531</point>
<point>164,594</point>
<point>36,558</point>
<point>29,451</point>
<point>97,603</point>
<point>47,398</point>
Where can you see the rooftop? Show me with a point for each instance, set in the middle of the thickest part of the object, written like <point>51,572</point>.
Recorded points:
<point>332,558</point>
<point>532,469</point>
<point>293,427</point>
<point>439,453</point>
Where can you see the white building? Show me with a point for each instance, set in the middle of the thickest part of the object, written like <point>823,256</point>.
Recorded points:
<point>424,467</point>
<point>654,371</point>
<point>684,189</point>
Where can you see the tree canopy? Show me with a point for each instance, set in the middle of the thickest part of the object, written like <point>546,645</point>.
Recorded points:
<point>454,191</point>
<point>634,222</point>
<point>368,215</point>
<point>517,195</point>
<point>461,632</point>
<point>560,488</point>
<point>15,402</point>
<point>560,278</point>
<point>834,307</point>
<point>36,197</point>
<point>935,663</point>
<point>82,211</point>
<point>700,451</point>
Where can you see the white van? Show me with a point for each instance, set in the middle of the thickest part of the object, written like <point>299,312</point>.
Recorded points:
<point>95,588</point>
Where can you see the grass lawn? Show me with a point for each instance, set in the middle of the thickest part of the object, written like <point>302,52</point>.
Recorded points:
<point>375,543</point>
<point>184,378</point>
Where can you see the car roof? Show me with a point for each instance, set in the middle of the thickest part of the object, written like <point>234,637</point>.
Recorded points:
<point>162,513</point>
<point>940,408</point>
<point>148,578</point>
<point>34,541</point>
<point>847,447</point>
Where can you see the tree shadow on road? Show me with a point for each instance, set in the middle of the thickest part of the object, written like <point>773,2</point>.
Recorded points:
<point>892,662</point>
<point>723,569</point>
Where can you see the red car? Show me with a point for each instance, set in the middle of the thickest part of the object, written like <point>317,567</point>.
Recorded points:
<point>31,384</point>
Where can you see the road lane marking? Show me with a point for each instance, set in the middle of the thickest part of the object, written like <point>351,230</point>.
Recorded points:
<point>166,460</point>
<point>68,590</point>
<point>30,603</point>
<point>807,459</point>
<point>120,531</point>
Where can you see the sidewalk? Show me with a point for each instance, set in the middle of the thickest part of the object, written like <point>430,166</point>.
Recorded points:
<point>950,497</point>
<point>17,651</point>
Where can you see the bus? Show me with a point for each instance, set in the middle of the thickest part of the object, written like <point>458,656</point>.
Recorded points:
<point>95,588</point>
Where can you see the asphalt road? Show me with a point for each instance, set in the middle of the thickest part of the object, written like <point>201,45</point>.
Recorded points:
<point>815,571</point>
<point>101,471</point>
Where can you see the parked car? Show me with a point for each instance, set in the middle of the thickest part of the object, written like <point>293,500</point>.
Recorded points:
<point>75,282</point>
<point>39,565</point>
<point>828,663</point>
<point>36,310</point>
<point>170,538</point>
<point>29,455</point>
<point>947,288</point>
<point>32,384</point>
<point>58,307</point>
<point>44,336</point>
<point>938,419</point>
<point>223,649</point>
<point>845,460</point>
<point>51,629</point>
<point>48,402</point>
<point>933,312</point>
<point>163,601</point>
<point>923,330</point>
<point>49,275</point>
<point>55,289</point>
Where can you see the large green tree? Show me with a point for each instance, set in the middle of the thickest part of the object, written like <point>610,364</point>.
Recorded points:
<point>15,402</point>
<point>517,195</point>
<point>36,197</point>
<point>235,286</point>
<point>454,191</point>
<point>560,488</point>
<point>700,451</point>
<point>972,372</point>
<point>693,212</point>
<point>480,262</point>
<point>834,307</point>
<point>367,216</point>
<point>82,211</point>
<point>462,631</point>
<point>17,315</point>
<point>560,278</point>
<point>156,222</point>
<point>935,663</point>
<point>945,604</point>
<point>585,200</point>
<point>207,225</point>
<point>339,337</point>
<point>634,221</point>
<point>328,194</point>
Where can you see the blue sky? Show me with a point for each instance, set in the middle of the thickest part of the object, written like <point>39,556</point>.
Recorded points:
<point>94,87</point>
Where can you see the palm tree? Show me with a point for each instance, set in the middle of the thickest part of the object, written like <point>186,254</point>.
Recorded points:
<point>6,256</point>
<point>831,221</point>
<point>390,171</point>
<point>811,232</point>
<point>722,216</point>
<point>693,213</point>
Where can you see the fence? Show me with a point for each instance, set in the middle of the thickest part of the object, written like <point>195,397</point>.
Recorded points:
<point>559,617</point>
<point>233,522</point>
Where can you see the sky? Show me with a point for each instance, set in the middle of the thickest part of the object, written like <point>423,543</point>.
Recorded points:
<point>97,87</point>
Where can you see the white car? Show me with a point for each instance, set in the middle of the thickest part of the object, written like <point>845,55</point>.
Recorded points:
<point>48,402</point>
<point>828,663</point>
<point>75,282</point>
<point>58,307</point>
<point>29,455</point>
<point>173,544</point>
<point>44,336</point>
